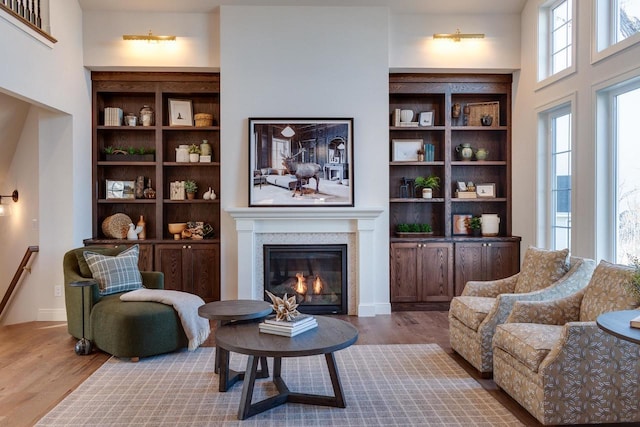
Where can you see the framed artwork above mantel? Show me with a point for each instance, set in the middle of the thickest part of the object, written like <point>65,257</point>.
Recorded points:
<point>297,162</point>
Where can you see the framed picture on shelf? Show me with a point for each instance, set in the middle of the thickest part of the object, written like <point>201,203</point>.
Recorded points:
<point>120,189</point>
<point>180,112</point>
<point>426,118</point>
<point>459,223</point>
<point>486,190</point>
<point>300,162</point>
<point>406,150</point>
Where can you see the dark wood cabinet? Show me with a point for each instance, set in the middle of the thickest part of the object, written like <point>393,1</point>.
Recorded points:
<point>190,267</point>
<point>421,271</point>
<point>488,260</point>
<point>455,104</point>
<point>158,167</point>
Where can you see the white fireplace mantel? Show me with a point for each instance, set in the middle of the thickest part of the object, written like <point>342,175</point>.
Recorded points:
<point>257,220</point>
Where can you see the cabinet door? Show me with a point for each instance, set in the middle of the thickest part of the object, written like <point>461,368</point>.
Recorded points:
<point>435,264</point>
<point>205,270</point>
<point>174,261</point>
<point>469,264</point>
<point>501,259</point>
<point>404,272</point>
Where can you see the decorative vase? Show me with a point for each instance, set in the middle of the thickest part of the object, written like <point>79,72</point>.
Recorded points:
<point>142,226</point>
<point>486,120</point>
<point>481,154</point>
<point>131,119</point>
<point>490,224</point>
<point>205,148</point>
<point>465,151</point>
<point>146,116</point>
<point>427,193</point>
<point>182,154</point>
<point>456,110</point>
<point>406,116</point>
<point>149,192</point>
<point>420,157</point>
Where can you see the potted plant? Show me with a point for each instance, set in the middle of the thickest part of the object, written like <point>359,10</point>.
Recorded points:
<point>194,153</point>
<point>190,187</point>
<point>427,185</point>
<point>474,224</point>
<point>420,155</point>
<point>413,230</point>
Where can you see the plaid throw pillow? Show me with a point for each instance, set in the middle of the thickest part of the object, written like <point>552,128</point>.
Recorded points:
<point>115,273</point>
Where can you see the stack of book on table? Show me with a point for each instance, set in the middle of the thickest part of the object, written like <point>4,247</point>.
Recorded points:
<point>288,328</point>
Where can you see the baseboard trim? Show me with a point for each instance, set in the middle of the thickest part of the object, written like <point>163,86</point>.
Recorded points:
<point>52,315</point>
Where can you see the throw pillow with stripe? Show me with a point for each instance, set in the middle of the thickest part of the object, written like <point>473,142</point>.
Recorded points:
<point>115,274</point>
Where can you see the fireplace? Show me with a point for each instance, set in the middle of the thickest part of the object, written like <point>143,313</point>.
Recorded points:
<point>315,274</point>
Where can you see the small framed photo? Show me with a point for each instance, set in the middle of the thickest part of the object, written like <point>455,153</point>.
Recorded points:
<point>180,112</point>
<point>406,150</point>
<point>462,186</point>
<point>486,190</point>
<point>426,118</point>
<point>459,223</point>
<point>120,189</point>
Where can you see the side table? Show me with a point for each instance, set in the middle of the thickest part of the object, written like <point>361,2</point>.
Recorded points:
<point>234,311</point>
<point>83,346</point>
<point>617,323</point>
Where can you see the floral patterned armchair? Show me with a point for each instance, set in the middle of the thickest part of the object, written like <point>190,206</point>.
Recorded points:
<point>474,315</point>
<point>552,358</point>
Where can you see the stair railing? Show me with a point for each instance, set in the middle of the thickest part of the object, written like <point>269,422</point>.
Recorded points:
<point>16,277</point>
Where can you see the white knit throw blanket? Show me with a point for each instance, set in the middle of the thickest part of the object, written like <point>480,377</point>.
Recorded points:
<point>195,327</point>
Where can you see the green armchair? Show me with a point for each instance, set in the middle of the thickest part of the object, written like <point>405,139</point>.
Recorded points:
<point>123,329</point>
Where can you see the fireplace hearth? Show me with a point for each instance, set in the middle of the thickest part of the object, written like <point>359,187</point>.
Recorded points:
<point>315,274</point>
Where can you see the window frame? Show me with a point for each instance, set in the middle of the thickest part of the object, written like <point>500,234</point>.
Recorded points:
<point>545,169</point>
<point>544,76</point>
<point>603,31</point>
<point>606,160</point>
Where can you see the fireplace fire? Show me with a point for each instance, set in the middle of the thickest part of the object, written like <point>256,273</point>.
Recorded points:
<point>315,274</point>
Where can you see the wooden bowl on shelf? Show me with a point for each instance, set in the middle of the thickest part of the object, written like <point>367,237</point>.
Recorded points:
<point>176,228</point>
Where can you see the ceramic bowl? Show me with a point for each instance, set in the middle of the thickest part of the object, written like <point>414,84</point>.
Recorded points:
<point>177,227</point>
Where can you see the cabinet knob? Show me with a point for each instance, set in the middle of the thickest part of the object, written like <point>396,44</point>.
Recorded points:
<point>184,247</point>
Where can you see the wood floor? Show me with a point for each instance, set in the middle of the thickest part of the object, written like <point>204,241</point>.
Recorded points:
<point>38,366</point>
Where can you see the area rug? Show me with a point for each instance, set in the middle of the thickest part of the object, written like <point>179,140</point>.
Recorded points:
<point>384,385</point>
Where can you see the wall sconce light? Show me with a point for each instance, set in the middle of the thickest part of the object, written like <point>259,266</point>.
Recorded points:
<point>148,37</point>
<point>457,36</point>
<point>5,210</point>
<point>287,132</point>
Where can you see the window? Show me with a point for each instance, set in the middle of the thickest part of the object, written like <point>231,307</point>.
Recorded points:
<point>560,26</point>
<point>617,24</point>
<point>559,209</point>
<point>627,210</point>
<point>618,171</point>
<point>556,33</point>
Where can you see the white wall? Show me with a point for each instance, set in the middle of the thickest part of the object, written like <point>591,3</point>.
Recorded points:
<point>305,62</point>
<point>413,46</point>
<point>51,77</point>
<point>197,42</point>
<point>529,98</point>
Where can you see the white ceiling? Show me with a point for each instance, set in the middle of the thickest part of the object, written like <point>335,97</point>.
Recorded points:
<point>396,6</point>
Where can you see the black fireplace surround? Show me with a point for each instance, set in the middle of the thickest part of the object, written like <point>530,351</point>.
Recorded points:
<point>315,274</point>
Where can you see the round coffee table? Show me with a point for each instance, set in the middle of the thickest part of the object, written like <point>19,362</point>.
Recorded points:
<point>225,312</point>
<point>617,323</point>
<point>331,335</point>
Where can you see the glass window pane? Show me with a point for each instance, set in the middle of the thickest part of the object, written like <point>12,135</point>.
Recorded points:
<point>628,177</point>
<point>628,18</point>
<point>560,14</point>
<point>560,38</point>
<point>559,61</point>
